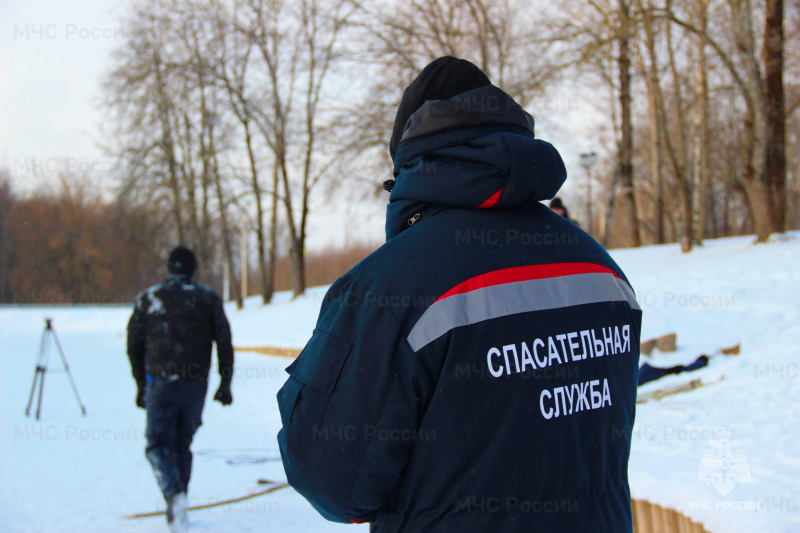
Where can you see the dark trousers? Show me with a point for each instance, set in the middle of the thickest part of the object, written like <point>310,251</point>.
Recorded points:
<point>174,412</point>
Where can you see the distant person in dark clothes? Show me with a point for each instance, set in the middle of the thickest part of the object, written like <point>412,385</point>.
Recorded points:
<point>169,346</point>
<point>557,206</point>
<point>467,376</point>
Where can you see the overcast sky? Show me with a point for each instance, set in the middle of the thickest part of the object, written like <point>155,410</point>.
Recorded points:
<point>52,59</point>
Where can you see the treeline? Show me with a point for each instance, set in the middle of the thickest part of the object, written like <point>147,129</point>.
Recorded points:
<point>68,245</point>
<point>322,267</point>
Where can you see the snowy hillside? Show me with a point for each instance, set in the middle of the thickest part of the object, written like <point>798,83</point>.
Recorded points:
<point>725,454</point>
<point>729,292</point>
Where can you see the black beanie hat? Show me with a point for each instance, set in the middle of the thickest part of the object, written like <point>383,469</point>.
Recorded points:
<point>181,261</point>
<point>443,78</point>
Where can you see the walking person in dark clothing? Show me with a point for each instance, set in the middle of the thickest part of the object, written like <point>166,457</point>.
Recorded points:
<point>169,345</point>
<point>477,373</point>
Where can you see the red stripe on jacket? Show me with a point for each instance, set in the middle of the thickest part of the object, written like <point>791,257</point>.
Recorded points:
<point>492,200</point>
<point>526,273</point>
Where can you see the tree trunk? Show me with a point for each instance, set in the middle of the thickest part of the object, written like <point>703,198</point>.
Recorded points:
<point>167,145</point>
<point>758,195</point>
<point>700,119</point>
<point>273,236</point>
<point>775,134</point>
<point>680,158</point>
<point>263,267</point>
<point>755,178</point>
<point>656,170</point>
<point>628,198</point>
<point>656,104</point>
<point>226,240</point>
<point>296,263</point>
<point>210,169</point>
<point>610,209</point>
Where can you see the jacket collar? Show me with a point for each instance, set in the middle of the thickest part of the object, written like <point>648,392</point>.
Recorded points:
<point>478,107</point>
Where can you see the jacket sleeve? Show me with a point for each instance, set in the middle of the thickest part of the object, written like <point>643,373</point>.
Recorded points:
<point>222,336</point>
<point>136,337</point>
<point>351,407</point>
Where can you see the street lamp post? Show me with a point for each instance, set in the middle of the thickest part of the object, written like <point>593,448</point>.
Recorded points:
<point>588,159</point>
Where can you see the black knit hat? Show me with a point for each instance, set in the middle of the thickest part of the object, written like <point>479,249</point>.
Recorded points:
<point>443,78</point>
<point>181,261</point>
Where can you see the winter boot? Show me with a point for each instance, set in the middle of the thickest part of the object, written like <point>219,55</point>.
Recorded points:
<point>177,513</point>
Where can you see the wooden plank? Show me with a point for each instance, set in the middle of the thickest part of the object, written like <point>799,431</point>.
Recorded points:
<point>646,347</point>
<point>639,516</point>
<point>667,343</point>
<point>275,487</point>
<point>660,522</point>
<point>732,350</point>
<point>652,518</point>
<point>271,350</point>
<point>672,520</point>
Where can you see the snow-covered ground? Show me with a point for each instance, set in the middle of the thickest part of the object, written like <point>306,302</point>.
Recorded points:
<point>725,455</point>
<point>68,473</point>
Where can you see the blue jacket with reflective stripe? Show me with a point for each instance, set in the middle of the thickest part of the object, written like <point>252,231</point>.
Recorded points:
<point>478,371</point>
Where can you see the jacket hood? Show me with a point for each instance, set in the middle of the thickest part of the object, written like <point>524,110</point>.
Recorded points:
<point>475,150</point>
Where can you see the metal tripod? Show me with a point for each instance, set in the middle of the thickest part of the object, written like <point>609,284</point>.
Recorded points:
<point>41,369</point>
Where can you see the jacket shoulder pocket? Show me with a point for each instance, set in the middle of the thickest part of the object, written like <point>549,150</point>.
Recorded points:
<point>319,364</point>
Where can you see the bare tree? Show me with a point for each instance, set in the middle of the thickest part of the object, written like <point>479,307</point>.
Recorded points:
<point>405,36</point>
<point>297,49</point>
<point>233,70</point>
<point>672,121</point>
<point>595,41</point>
<point>745,69</point>
<point>141,104</point>
<point>171,126</point>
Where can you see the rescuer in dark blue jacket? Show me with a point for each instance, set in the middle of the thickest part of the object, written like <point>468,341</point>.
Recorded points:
<point>478,372</point>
